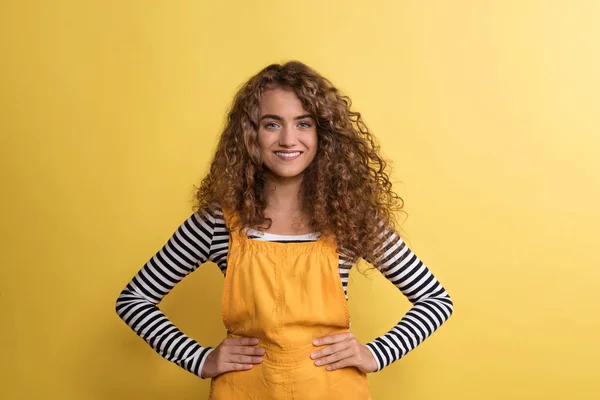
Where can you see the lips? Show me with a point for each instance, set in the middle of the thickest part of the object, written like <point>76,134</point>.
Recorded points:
<point>287,155</point>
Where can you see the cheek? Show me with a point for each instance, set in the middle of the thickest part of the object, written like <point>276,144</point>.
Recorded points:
<point>314,141</point>
<point>262,141</point>
<point>313,145</point>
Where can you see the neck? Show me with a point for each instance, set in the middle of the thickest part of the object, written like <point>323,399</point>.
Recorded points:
<point>284,194</point>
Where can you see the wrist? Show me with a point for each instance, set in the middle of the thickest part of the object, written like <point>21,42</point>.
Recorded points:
<point>203,363</point>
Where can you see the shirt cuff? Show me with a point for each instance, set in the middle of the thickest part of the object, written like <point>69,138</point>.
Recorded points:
<point>374,356</point>
<point>202,363</point>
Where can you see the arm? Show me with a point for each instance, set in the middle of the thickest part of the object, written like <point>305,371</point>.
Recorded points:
<point>137,305</point>
<point>431,304</point>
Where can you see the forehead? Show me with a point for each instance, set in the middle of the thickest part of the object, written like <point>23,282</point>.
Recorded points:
<point>280,102</point>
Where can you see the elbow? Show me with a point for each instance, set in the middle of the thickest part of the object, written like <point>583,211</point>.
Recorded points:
<point>450,304</point>
<point>120,303</point>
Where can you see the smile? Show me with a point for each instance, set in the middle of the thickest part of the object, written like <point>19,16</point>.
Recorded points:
<point>288,155</point>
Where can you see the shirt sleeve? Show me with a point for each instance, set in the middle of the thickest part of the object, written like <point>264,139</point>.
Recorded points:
<point>137,305</point>
<point>431,305</point>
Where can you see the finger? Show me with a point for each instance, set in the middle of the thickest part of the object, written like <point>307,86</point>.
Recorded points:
<point>247,350</point>
<point>236,367</point>
<point>241,341</point>
<point>334,348</point>
<point>241,359</point>
<point>340,355</point>
<point>347,362</point>
<point>332,338</point>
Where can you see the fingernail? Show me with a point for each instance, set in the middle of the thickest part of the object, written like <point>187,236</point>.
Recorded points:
<point>313,355</point>
<point>328,368</point>
<point>316,342</point>
<point>318,362</point>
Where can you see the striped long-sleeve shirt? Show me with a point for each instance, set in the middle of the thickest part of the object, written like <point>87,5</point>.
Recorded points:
<point>203,237</point>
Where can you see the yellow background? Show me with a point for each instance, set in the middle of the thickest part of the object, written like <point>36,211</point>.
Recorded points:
<point>489,111</point>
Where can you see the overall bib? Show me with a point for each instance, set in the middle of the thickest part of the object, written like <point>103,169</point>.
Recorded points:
<point>286,295</point>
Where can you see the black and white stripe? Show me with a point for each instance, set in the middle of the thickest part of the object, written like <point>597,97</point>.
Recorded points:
<point>431,304</point>
<point>204,238</point>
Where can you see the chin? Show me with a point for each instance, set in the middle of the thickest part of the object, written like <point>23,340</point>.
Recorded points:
<point>288,176</point>
<point>283,174</point>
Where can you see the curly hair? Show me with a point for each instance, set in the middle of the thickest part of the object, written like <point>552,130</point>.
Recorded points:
<point>348,184</point>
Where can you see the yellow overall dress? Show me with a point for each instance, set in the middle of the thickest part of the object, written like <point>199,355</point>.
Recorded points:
<point>286,295</point>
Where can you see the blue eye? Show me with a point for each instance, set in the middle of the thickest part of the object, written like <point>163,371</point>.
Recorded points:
<point>271,125</point>
<point>304,125</point>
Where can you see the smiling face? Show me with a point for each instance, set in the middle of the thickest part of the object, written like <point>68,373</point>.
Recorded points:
<point>287,134</point>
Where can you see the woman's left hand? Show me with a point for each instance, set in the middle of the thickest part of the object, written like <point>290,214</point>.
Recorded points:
<point>344,350</point>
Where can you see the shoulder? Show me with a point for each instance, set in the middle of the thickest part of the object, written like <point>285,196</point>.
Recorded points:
<point>212,213</point>
<point>208,219</point>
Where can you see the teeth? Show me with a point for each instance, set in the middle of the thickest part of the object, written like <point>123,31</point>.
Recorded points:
<point>288,155</point>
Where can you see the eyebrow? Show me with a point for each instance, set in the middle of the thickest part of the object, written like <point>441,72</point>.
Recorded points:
<point>280,118</point>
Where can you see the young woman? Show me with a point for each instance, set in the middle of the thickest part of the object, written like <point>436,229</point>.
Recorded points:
<point>296,194</point>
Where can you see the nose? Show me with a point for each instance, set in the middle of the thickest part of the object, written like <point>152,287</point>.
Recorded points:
<point>287,137</point>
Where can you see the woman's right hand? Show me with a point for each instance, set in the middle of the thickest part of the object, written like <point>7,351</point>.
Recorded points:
<point>233,354</point>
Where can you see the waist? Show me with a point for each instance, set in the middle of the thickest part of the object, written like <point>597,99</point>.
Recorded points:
<point>290,353</point>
